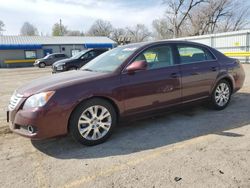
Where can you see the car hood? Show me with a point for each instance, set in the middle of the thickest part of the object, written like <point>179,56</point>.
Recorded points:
<point>63,61</point>
<point>41,59</point>
<point>57,81</point>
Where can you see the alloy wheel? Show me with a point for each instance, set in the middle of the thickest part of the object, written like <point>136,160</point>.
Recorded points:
<point>222,94</point>
<point>94,123</point>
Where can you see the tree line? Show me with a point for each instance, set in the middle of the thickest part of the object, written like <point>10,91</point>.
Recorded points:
<point>181,18</point>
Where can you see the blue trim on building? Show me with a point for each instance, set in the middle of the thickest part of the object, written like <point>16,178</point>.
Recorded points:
<point>20,46</point>
<point>98,45</point>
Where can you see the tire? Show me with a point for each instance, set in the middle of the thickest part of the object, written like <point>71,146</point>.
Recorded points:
<point>86,124</point>
<point>42,65</point>
<point>221,95</point>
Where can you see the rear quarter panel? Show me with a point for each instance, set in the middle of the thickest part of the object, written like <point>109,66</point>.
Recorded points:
<point>230,69</point>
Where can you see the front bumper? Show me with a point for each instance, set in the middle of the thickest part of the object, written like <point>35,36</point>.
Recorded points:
<point>55,70</point>
<point>36,64</point>
<point>46,123</point>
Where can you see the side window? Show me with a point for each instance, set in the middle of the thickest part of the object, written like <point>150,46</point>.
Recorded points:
<point>51,57</point>
<point>92,54</point>
<point>59,55</point>
<point>190,54</point>
<point>62,55</point>
<point>157,57</point>
<point>85,56</point>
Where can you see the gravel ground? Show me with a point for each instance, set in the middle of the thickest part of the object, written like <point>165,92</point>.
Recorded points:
<point>195,147</point>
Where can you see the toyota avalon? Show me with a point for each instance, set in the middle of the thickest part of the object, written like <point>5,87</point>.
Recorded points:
<point>131,80</point>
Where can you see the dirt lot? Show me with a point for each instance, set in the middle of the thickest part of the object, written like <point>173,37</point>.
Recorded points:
<point>197,147</point>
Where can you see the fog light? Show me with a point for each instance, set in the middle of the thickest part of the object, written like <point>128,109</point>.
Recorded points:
<point>31,129</point>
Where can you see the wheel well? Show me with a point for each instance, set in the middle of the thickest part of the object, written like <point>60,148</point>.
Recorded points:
<point>111,102</point>
<point>229,81</point>
<point>97,97</point>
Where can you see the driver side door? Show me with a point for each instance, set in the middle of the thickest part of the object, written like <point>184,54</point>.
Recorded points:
<point>156,87</point>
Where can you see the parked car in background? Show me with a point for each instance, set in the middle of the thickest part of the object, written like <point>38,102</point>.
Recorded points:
<point>127,82</point>
<point>76,61</point>
<point>49,59</point>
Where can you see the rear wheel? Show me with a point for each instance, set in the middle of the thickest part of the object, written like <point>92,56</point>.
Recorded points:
<point>93,122</point>
<point>221,95</point>
<point>42,65</point>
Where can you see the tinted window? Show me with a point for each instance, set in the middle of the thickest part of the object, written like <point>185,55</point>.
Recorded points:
<point>59,55</point>
<point>92,54</point>
<point>190,54</point>
<point>157,57</point>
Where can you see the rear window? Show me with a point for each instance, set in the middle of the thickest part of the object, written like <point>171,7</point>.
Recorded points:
<point>191,54</point>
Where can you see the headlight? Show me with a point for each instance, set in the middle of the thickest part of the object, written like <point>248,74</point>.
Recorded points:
<point>38,100</point>
<point>60,67</point>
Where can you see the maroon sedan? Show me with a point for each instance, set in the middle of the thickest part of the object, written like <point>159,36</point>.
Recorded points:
<point>131,80</point>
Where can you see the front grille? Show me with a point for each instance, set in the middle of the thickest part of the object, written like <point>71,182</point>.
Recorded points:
<point>14,101</point>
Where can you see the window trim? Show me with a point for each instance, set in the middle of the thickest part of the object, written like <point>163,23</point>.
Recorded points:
<point>30,51</point>
<point>205,49</point>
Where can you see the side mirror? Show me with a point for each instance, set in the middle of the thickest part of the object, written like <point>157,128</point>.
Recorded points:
<point>137,65</point>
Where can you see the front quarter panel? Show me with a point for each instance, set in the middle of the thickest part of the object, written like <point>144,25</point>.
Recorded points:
<point>69,98</point>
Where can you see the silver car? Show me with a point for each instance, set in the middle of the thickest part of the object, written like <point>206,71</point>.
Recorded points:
<point>49,59</point>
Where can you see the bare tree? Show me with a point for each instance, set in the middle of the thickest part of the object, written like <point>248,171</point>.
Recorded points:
<point>218,15</point>
<point>100,28</point>
<point>139,33</point>
<point>161,29</point>
<point>117,34</point>
<point>178,11</point>
<point>1,27</point>
<point>237,19</point>
<point>28,29</point>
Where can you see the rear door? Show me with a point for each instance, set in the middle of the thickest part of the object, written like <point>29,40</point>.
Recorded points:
<point>199,69</point>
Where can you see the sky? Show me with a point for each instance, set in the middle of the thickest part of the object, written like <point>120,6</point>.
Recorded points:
<point>77,14</point>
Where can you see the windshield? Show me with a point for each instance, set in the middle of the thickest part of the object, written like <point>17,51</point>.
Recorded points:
<point>110,60</point>
<point>47,56</point>
<point>78,55</point>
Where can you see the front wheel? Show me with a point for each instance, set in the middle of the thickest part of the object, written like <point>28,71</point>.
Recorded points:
<point>92,122</point>
<point>221,95</point>
<point>42,65</point>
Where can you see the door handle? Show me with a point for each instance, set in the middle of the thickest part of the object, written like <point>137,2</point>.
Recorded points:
<point>194,73</point>
<point>174,75</point>
<point>213,68</point>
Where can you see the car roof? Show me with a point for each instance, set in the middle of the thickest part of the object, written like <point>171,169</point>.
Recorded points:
<point>168,41</point>
<point>98,49</point>
<point>57,54</point>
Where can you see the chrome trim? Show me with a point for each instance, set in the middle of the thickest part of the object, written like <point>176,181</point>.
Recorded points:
<point>14,101</point>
